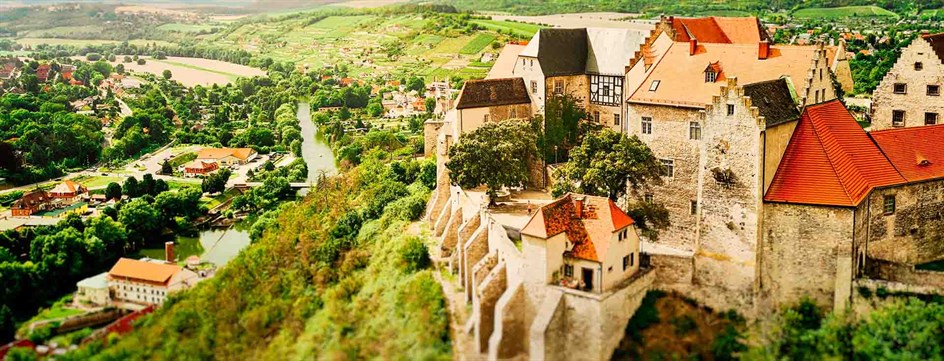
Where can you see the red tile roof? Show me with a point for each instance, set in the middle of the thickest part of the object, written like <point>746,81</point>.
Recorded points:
<point>143,270</point>
<point>743,30</point>
<point>590,233</point>
<point>830,161</point>
<point>916,152</point>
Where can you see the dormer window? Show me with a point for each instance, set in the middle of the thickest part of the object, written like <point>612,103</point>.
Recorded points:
<point>654,85</point>
<point>712,72</point>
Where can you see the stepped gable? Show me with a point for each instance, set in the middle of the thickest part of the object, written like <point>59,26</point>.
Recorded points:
<point>830,161</point>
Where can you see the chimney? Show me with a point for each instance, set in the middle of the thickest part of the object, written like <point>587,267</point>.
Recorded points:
<point>763,50</point>
<point>578,206</point>
<point>692,46</point>
<point>169,252</point>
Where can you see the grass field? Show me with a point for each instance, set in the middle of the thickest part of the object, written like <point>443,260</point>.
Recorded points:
<point>97,181</point>
<point>732,13</point>
<point>477,44</point>
<point>932,13</point>
<point>520,29</point>
<point>83,42</point>
<point>843,12</point>
<point>187,28</point>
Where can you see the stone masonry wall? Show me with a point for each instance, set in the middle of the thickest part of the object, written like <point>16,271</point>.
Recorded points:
<point>670,140</point>
<point>912,233</point>
<point>730,176</point>
<point>800,253</point>
<point>916,101</point>
<point>430,134</point>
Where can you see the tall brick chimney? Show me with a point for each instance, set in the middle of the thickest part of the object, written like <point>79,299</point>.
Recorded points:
<point>169,252</point>
<point>763,50</point>
<point>578,206</point>
<point>692,46</point>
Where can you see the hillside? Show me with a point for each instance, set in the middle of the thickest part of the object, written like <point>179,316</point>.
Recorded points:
<point>690,7</point>
<point>336,276</point>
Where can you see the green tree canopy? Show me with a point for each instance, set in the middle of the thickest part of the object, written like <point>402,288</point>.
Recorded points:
<point>495,155</point>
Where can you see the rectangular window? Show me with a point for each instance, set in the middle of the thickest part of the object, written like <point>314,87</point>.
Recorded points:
<point>625,262</point>
<point>632,259</point>
<point>898,118</point>
<point>918,66</point>
<point>558,87</point>
<point>693,207</point>
<point>668,168</point>
<point>889,204</point>
<point>730,109</point>
<point>606,90</point>
<point>710,77</point>
<point>616,119</point>
<point>514,113</point>
<point>596,117</point>
<point>934,90</point>
<point>647,197</point>
<point>821,74</point>
<point>485,118</point>
<point>901,88</point>
<point>694,131</point>
<point>646,125</point>
<point>654,86</point>
<point>930,118</point>
<point>568,270</point>
<point>532,62</point>
<point>534,86</point>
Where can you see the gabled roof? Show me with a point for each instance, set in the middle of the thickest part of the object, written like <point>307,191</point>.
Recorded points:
<point>830,161</point>
<point>31,199</point>
<point>144,271</point>
<point>773,100</point>
<point>493,92</point>
<point>721,30</point>
<point>217,153</point>
<point>562,51</point>
<point>505,64</point>
<point>917,152</point>
<point>937,43</point>
<point>610,50</point>
<point>682,79</point>
<point>67,187</point>
<point>590,233</point>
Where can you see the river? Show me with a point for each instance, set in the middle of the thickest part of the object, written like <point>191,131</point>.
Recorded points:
<point>219,246</point>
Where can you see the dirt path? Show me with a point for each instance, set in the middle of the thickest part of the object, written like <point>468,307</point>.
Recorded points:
<point>462,342</point>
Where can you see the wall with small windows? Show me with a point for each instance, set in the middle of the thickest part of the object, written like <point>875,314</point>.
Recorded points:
<point>529,68</point>
<point>905,223</point>
<point>910,93</point>
<point>668,132</point>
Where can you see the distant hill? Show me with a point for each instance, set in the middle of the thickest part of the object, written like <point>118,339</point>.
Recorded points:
<point>685,7</point>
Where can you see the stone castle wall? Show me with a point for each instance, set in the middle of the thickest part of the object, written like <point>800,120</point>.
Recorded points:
<point>911,234</point>
<point>916,101</point>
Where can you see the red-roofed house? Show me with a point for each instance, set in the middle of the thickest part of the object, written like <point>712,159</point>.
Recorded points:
<point>845,204</point>
<point>147,282</point>
<point>199,168</point>
<point>588,242</point>
<point>42,72</point>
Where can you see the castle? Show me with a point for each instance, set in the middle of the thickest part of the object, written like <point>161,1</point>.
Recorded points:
<point>774,191</point>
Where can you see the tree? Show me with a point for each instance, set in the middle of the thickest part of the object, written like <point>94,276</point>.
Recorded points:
<point>141,220</point>
<point>216,182</point>
<point>131,188</point>
<point>430,105</point>
<point>141,61</point>
<point>605,161</point>
<point>120,68</point>
<point>607,164</point>
<point>111,233</point>
<point>113,191</point>
<point>496,154</point>
<point>562,126</point>
<point>166,168</point>
<point>416,83</point>
<point>166,74</point>
<point>147,185</point>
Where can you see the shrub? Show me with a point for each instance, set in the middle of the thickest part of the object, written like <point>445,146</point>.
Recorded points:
<point>415,254</point>
<point>407,209</point>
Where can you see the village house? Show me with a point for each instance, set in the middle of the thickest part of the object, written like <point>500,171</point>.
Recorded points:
<point>68,192</point>
<point>30,203</point>
<point>487,100</point>
<point>226,157</point>
<point>147,282</point>
<point>199,168</point>
<point>910,93</point>
<point>93,290</point>
<point>42,72</point>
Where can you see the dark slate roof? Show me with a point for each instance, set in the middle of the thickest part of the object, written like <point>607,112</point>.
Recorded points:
<point>774,101</point>
<point>493,92</point>
<point>563,51</point>
<point>937,43</point>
